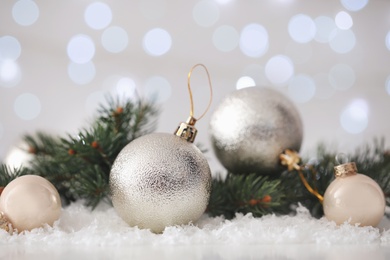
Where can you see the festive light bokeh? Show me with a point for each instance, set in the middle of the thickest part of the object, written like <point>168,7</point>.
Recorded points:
<point>25,12</point>
<point>325,26</point>
<point>98,15</point>
<point>115,39</point>
<point>245,82</point>
<point>225,38</point>
<point>254,40</point>
<point>81,49</point>
<point>279,69</point>
<point>205,13</point>
<point>302,28</point>
<point>354,118</point>
<point>354,5</point>
<point>59,61</point>
<point>342,76</point>
<point>81,74</point>
<point>157,42</point>
<point>301,88</point>
<point>342,41</point>
<point>27,106</point>
<point>343,20</point>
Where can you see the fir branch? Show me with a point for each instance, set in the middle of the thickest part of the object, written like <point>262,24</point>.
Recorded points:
<point>79,165</point>
<point>91,185</point>
<point>7,174</point>
<point>41,144</point>
<point>244,193</point>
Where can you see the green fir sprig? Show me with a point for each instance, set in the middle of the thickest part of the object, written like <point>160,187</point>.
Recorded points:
<point>252,193</point>
<point>7,174</point>
<point>79,165</point>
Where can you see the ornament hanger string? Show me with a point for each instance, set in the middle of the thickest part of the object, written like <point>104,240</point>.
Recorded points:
<point>292,160</point>
<point>190,91</point>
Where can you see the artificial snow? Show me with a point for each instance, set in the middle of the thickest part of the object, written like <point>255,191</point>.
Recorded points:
<point>79,226</point>
<point>101,234</point>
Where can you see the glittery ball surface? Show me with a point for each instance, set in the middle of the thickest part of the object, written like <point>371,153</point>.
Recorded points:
<point>251,127</point>
<point>160,180</point>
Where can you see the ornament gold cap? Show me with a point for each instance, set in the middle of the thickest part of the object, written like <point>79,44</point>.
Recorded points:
<point>344,170</point>
<point>187,130</point>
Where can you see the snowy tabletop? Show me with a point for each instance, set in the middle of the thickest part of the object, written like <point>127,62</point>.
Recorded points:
<point>101,234</point>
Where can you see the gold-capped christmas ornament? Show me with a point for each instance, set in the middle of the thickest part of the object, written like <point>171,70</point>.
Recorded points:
<point>251,127</point>
<point>161,179</point>
<point>29,202</point>
<point>353,197</point>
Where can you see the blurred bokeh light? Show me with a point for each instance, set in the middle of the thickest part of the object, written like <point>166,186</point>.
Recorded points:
<point>60,59</point>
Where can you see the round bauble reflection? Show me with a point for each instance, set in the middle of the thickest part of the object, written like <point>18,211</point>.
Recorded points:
<point>160,180</point>
<point>251,127</point>
<point>356,199</point>
<point>29,202</point>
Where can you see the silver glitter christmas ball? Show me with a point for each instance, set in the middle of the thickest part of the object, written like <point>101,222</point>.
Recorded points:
<point>251,127</point>
<point>160,180</point>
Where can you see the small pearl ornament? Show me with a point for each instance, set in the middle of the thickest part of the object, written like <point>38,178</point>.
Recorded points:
<point>353,197</point>
<point>29,202</point>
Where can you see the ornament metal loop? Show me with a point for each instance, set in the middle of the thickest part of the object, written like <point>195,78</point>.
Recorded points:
<point>342,158</point>
<point>187,130</point>
<point>190,91</point>
<point>346,169</point>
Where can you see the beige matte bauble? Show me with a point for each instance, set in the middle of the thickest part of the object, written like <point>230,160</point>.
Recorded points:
<point>29,202</point>
<point>353,197</point>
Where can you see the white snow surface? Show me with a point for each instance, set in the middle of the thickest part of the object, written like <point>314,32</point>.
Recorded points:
<point>81,226</point>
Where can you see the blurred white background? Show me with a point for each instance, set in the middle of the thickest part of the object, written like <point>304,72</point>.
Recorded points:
<point>58,59</point>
